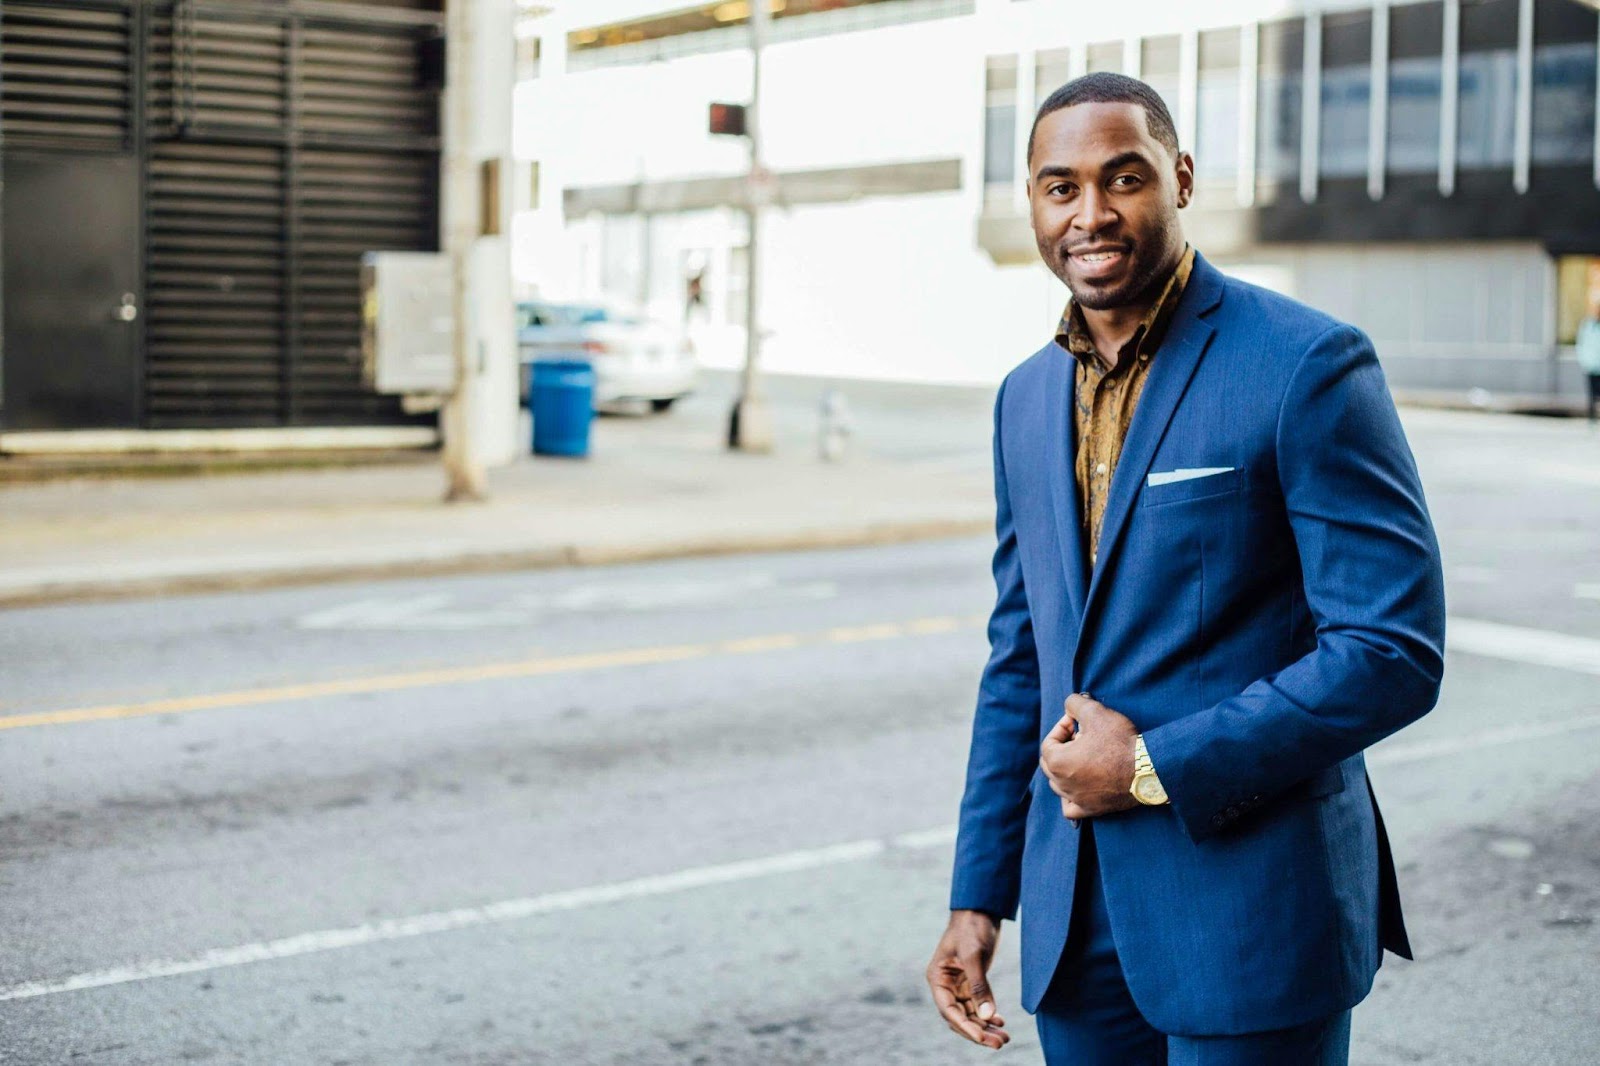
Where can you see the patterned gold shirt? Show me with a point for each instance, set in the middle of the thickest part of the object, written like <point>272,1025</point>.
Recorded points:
<point>1106,397</point>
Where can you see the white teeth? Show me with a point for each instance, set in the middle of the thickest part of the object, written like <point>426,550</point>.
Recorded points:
<point>1099,257</point>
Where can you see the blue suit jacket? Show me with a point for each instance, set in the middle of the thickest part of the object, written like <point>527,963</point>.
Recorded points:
<point>1261,626</point>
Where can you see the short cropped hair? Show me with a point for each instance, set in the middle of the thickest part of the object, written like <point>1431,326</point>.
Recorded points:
<point>1104,87</point>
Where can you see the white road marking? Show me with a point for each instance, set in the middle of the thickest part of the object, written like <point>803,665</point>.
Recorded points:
<point>1572,473</point>
<point>1586,592</point>
<point>1433,749</point>
<point>1534,647</point>
<point>1473,575</point>
<point>438,612</point>
<point>492,913</point>
<point>1492,639</point>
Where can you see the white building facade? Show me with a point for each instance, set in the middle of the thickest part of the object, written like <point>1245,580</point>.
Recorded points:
<point>1426,170</point>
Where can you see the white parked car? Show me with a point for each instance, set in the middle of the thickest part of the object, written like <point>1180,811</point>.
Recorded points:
<point>634,358</point>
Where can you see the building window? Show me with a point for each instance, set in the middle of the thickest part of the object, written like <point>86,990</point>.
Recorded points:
<point>1216,147</point>
<point>1487,135</point>
<point>527,59</point>
<point>1563,82</point>
<point>1159,60</point>
<point>1000,122</point>
<point>1105,56</point>
<point>1577,294</point>
<point>1346,94</point>
<point>1281,58</point>
<point>1052,70</point>
<point>1416,83</point>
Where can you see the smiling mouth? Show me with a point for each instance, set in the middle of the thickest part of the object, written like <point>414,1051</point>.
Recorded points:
<point>1100,256</point>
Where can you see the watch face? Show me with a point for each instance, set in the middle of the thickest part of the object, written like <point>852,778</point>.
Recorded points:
<point>1147,789</point>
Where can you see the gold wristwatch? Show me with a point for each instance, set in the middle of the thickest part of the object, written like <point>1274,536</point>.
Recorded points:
<point>1146,785</point>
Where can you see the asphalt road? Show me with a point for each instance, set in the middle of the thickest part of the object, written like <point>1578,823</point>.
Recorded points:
<point>699,812</point>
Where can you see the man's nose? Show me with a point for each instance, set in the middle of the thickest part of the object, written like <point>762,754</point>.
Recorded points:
<point>1094,211</point>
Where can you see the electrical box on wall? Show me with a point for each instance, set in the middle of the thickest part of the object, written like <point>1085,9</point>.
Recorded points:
<point>407,329</point>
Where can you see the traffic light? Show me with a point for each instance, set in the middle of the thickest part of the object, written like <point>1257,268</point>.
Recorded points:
<point>728,119</point>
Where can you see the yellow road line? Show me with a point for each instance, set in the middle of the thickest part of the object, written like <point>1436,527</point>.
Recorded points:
<point>561,664</point>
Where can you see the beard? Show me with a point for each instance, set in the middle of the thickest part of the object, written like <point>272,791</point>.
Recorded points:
<point>1149,261</point>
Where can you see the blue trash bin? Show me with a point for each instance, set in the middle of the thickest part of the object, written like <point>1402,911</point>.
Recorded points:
<point>561,397</point>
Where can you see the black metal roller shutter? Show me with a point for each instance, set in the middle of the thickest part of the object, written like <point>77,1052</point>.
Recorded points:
<point>284,140</point>
<point>68,75</point>
<point>215,349</point>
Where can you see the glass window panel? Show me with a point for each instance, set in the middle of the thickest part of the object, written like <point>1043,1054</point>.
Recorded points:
<point>1052,70</point>
<point>1346,94</point>
<point>1563,83</point>
<point>999,136</point>
<point>1563,103</point>
<point>1106,55</point>
<point>1577,291</point>
<point>1000,120</point>
<point>1278,112</point>
<point>1216,147</point>
<point>1159,58</point>
<point>1486,136</point>
<point>1416,84</point>
<point>1488,109</point>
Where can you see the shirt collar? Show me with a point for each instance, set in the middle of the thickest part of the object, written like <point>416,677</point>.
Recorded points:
<point>1073,333</point>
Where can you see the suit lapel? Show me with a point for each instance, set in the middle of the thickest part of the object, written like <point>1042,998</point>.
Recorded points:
<point>1059,473</point>
<point>1174,364</point>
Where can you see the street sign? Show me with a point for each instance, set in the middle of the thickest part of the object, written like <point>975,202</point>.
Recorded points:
<point>728,120</point>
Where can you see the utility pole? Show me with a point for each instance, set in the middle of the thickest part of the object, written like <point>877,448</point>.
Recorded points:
<point>750,425</point>
<point>464,470</point>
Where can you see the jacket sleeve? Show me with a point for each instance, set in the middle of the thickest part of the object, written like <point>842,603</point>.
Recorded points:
<point>1005,732</point>
<point>1374,587</point>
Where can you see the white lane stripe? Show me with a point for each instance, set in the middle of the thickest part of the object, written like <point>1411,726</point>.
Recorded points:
<point>466,917</point>
<point>1434,749</point>
<point>1535,647</point>
<point>1491,639</point>
<point>927,838</point>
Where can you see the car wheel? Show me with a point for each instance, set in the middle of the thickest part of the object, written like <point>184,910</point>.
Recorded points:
<point>662,406</point>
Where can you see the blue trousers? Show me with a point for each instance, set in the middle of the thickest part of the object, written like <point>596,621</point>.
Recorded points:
<point>1088,1018</point>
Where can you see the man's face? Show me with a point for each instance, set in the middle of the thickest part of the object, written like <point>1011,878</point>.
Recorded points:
<point>1104,198</point>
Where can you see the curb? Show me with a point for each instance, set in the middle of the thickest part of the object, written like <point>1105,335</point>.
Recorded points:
<point>91,591</point>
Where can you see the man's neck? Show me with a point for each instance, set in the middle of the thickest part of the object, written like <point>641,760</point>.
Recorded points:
<point>1111,328</point>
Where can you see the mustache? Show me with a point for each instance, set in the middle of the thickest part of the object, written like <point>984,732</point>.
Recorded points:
<point>1098,244</point>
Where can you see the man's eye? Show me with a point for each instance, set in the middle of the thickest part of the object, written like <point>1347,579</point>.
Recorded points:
<point>1125,180</point>
<point>1059,189</point>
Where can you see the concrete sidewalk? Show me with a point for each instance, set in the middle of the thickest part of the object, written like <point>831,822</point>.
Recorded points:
<point>653,487</point>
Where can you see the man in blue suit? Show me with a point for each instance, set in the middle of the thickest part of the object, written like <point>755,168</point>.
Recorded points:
<point>1208,517</point>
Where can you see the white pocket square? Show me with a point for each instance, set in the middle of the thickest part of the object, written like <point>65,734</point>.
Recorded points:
<point>1169,476</point>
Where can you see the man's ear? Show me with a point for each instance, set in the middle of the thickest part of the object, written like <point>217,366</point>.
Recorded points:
<point>1183,168</point>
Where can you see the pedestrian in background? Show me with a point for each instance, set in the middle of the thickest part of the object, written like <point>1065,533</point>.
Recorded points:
<point>1208,517</point>
<point>1589,351</point>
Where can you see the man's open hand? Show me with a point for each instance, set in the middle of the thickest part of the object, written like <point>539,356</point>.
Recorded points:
<point>1088,759</point>
<point>959,978</point>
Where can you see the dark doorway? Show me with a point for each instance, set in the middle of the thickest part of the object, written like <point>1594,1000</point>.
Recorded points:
<point>71,225</point>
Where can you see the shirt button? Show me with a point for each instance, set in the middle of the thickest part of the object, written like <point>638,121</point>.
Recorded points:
<point>1101,469</point>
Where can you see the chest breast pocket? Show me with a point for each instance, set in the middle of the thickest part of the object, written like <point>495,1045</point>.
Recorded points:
<point>1189,485</point>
